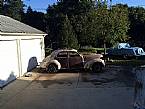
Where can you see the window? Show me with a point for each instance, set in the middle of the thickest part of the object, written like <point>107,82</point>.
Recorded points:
<point>73,54</point>
<point>62,54</point>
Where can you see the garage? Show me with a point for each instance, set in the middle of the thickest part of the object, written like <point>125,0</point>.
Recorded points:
<point>12,71</point>
<point>21,49</point>
<point>33,57</point>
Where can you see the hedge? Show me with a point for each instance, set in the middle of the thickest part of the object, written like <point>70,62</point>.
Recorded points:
<point>92,50</point>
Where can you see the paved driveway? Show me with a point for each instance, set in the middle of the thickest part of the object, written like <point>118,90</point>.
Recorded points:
<point>111,89</point>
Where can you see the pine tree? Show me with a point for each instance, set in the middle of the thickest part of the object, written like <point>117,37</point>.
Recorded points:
<point>67,37</point>
<point>13,8</point>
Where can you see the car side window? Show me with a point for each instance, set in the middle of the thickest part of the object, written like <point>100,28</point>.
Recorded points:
<point>62,55</point>
<point>73,54</point>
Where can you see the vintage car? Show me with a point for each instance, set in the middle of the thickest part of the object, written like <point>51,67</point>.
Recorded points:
<point>125,50</point>
<point>71,59</point>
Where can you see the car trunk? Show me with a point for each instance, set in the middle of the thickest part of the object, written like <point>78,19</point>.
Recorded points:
<point>91,57</point>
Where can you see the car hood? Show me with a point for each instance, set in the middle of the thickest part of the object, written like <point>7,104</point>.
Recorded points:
<point>44,62</point>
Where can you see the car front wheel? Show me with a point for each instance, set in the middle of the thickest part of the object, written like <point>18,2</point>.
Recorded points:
<point>97,67</point>
<point>52,68</point>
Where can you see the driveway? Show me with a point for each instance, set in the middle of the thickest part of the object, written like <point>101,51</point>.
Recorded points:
<point>111,89</point>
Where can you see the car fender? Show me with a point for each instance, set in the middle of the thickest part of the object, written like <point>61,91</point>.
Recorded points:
<point>89,64</point>
<point>55,62</point>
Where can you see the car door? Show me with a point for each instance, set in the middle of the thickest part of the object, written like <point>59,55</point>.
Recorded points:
<point>62,58</point>
<point>75,60</point>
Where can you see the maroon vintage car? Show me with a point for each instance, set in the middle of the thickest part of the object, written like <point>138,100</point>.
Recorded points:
<point>71,59</point>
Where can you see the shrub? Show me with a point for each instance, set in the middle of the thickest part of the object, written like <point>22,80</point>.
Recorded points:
<point>48,51</point>
<point>90,50</point>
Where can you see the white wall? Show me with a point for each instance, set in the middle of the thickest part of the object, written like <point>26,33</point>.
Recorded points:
<point>18,54</point>
<point>8,61</point>
<point>31,53</point>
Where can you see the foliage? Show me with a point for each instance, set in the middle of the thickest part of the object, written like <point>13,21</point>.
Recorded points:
<point>137,24</point>
<point>119,23</point>
<point>67,38</point>
<point>77,23</point>
<point>48,51</point>
<point>85,28</point>
<point>61,31</point>
<point>13,8</point>
<point>1,6</point>
<point>112,25</point>
<point>35,19</point>
<point>80,15</point>
<point>103,24</point>
<point>90,50</point>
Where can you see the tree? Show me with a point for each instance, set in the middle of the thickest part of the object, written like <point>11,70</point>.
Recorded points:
<point>61,31</point>
<point>120,23</point>
<point>103,25</point>
<point>78,16</point>
<point>1,6</point>
<point>137,25</point>
<point>34,19</point>
<point>81,15</point>
<point>85,28</point>
<point>67,36</point>
<point>13,8</point>
<point>90,23</point>
<point>112,24</point>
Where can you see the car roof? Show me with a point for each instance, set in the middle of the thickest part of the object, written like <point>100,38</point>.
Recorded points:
<point>60,50</point>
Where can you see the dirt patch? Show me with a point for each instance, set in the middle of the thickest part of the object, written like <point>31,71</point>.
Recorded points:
<point>111,76</point>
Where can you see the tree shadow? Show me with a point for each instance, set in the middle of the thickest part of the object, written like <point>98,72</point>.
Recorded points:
<point>4,83</point>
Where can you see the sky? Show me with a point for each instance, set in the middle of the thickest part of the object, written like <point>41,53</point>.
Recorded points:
<point>41,5</point>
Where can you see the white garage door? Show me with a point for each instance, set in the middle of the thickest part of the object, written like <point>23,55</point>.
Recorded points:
<point>8,61</point>
<point>30,54</point>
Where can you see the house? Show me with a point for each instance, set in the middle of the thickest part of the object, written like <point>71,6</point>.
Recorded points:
<point>21,49</point>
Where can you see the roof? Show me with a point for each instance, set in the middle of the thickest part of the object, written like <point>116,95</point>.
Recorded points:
<point>123,45</point>
<point>9,25</point>
<point>60,50</point>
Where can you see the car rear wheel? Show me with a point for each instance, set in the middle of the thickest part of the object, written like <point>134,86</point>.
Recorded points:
<point>52,68</point>
<point>97,67</point>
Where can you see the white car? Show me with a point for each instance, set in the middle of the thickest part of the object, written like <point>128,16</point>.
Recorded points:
<point>71,59</point>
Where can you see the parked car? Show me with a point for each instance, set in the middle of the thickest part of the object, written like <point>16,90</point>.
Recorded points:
<point>125,50</point>
<point>71,59</point>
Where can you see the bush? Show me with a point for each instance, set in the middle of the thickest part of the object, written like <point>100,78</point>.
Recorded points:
<point>48,51</point>
<point>90,50</point>
<point>100,50</point>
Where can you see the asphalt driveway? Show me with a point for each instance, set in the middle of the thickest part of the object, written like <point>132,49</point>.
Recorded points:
<point>111,89</point>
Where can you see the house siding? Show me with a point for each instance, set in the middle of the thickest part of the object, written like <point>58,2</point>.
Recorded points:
<point>25,52</point>
<point>21,48</point>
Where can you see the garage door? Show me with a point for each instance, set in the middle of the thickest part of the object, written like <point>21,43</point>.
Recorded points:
<point>8,61</point>
<point>30,54</point>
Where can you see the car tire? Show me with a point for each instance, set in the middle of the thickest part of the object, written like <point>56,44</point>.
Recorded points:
<point>52,68</point>
<point>97,67</point>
